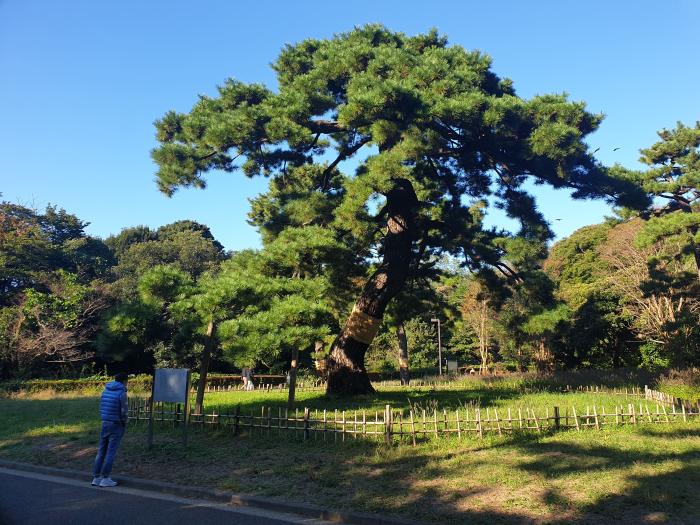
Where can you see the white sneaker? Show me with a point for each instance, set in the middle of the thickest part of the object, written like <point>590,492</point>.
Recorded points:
<point>108,482</point>
<point>96,481</point>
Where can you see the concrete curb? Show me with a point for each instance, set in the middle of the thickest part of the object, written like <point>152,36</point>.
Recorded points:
<point>221,496</point>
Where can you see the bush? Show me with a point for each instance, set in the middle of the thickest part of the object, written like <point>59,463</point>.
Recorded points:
<point>140,383</point>
<point>681,383</point>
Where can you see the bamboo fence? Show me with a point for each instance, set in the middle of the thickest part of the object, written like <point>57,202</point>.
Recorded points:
<point>410,426</point>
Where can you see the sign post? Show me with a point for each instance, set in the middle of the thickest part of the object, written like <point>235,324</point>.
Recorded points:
<point>170,385</point>
<point>186,415</point>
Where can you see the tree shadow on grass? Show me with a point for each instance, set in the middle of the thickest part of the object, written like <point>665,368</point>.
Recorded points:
<point>660,487</point>
<point>670,433</point>
<point>448,399</point>
<point>513,480</point>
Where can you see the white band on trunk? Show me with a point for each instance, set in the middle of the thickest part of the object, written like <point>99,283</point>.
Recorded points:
<point>362,327</point>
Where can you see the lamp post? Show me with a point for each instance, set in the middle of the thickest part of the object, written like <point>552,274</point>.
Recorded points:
<point>439,345</point>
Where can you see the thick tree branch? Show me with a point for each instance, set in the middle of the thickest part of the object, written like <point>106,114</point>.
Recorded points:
<point>325,126</point>
<point>344,154</point>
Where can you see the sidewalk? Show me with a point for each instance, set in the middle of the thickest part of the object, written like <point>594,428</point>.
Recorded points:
<point>280,511</point>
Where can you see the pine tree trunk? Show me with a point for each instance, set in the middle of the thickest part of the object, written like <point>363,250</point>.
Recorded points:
<point>693,245</point>
<point>347,375</point>
<point>403,354</point>
<point>204,367</point>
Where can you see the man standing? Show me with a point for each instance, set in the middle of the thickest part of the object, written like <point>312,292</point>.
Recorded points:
<point>114,411</point>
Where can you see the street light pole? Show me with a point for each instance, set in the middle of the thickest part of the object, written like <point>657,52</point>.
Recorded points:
<point>439,345</point>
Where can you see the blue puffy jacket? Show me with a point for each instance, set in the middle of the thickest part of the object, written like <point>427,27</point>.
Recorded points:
<point>113,403</point>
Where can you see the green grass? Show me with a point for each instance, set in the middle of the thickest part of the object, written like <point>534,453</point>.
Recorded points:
<point>627,474</point>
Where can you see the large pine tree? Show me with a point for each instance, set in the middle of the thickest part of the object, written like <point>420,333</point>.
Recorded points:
<point>434,134</point>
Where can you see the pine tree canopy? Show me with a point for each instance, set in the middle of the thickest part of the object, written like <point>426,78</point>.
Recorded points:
<point>673,182</point>
<point>434,136</point>
<point>408,108</point>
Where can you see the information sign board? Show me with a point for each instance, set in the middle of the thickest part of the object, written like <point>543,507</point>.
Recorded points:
<point>170,385</point>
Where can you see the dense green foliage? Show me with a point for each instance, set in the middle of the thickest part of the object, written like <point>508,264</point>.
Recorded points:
<point>415,115</point>
<point>436,138</point>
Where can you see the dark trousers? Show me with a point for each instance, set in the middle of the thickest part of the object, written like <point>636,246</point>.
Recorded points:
<point>110,435</point>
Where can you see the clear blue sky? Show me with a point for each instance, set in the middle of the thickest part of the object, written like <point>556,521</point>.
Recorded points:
<point>81,83</point>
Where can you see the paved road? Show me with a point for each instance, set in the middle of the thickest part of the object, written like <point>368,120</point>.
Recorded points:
<point>37,499</point>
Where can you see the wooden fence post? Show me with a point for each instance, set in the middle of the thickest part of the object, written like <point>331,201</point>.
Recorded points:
<point>325,423</point>
<point>595,415</point>
<point>557,421</point>
<point>387,425</point>
<point>413,429</point>
<point>306,423</point>
<point>478,423</point>
<point>150,417</point>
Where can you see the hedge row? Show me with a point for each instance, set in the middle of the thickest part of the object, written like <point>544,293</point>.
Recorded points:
<point>137,383</point>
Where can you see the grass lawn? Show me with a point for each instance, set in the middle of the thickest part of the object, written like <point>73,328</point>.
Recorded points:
<point>644,474</point>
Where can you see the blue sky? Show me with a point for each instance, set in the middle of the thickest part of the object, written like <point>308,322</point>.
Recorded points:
<point>82,82</point>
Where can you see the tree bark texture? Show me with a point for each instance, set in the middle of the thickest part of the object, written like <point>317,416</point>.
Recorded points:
<point>204,367</point>
<point>347,375</point>
<point>403,354</point>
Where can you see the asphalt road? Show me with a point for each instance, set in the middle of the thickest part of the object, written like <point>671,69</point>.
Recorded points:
<point>37,499</point>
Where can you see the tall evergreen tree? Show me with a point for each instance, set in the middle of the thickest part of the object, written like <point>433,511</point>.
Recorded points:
<point>673,179</point>
<point>434,132</point>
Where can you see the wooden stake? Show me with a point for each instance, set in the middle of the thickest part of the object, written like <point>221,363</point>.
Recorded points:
<point>534,417</point>
<point>413,429</point>
<point>595,414</point>
<point>343,427</point>
<point>387,425</point>
<point>510,420</point>
<point>325,422</point>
